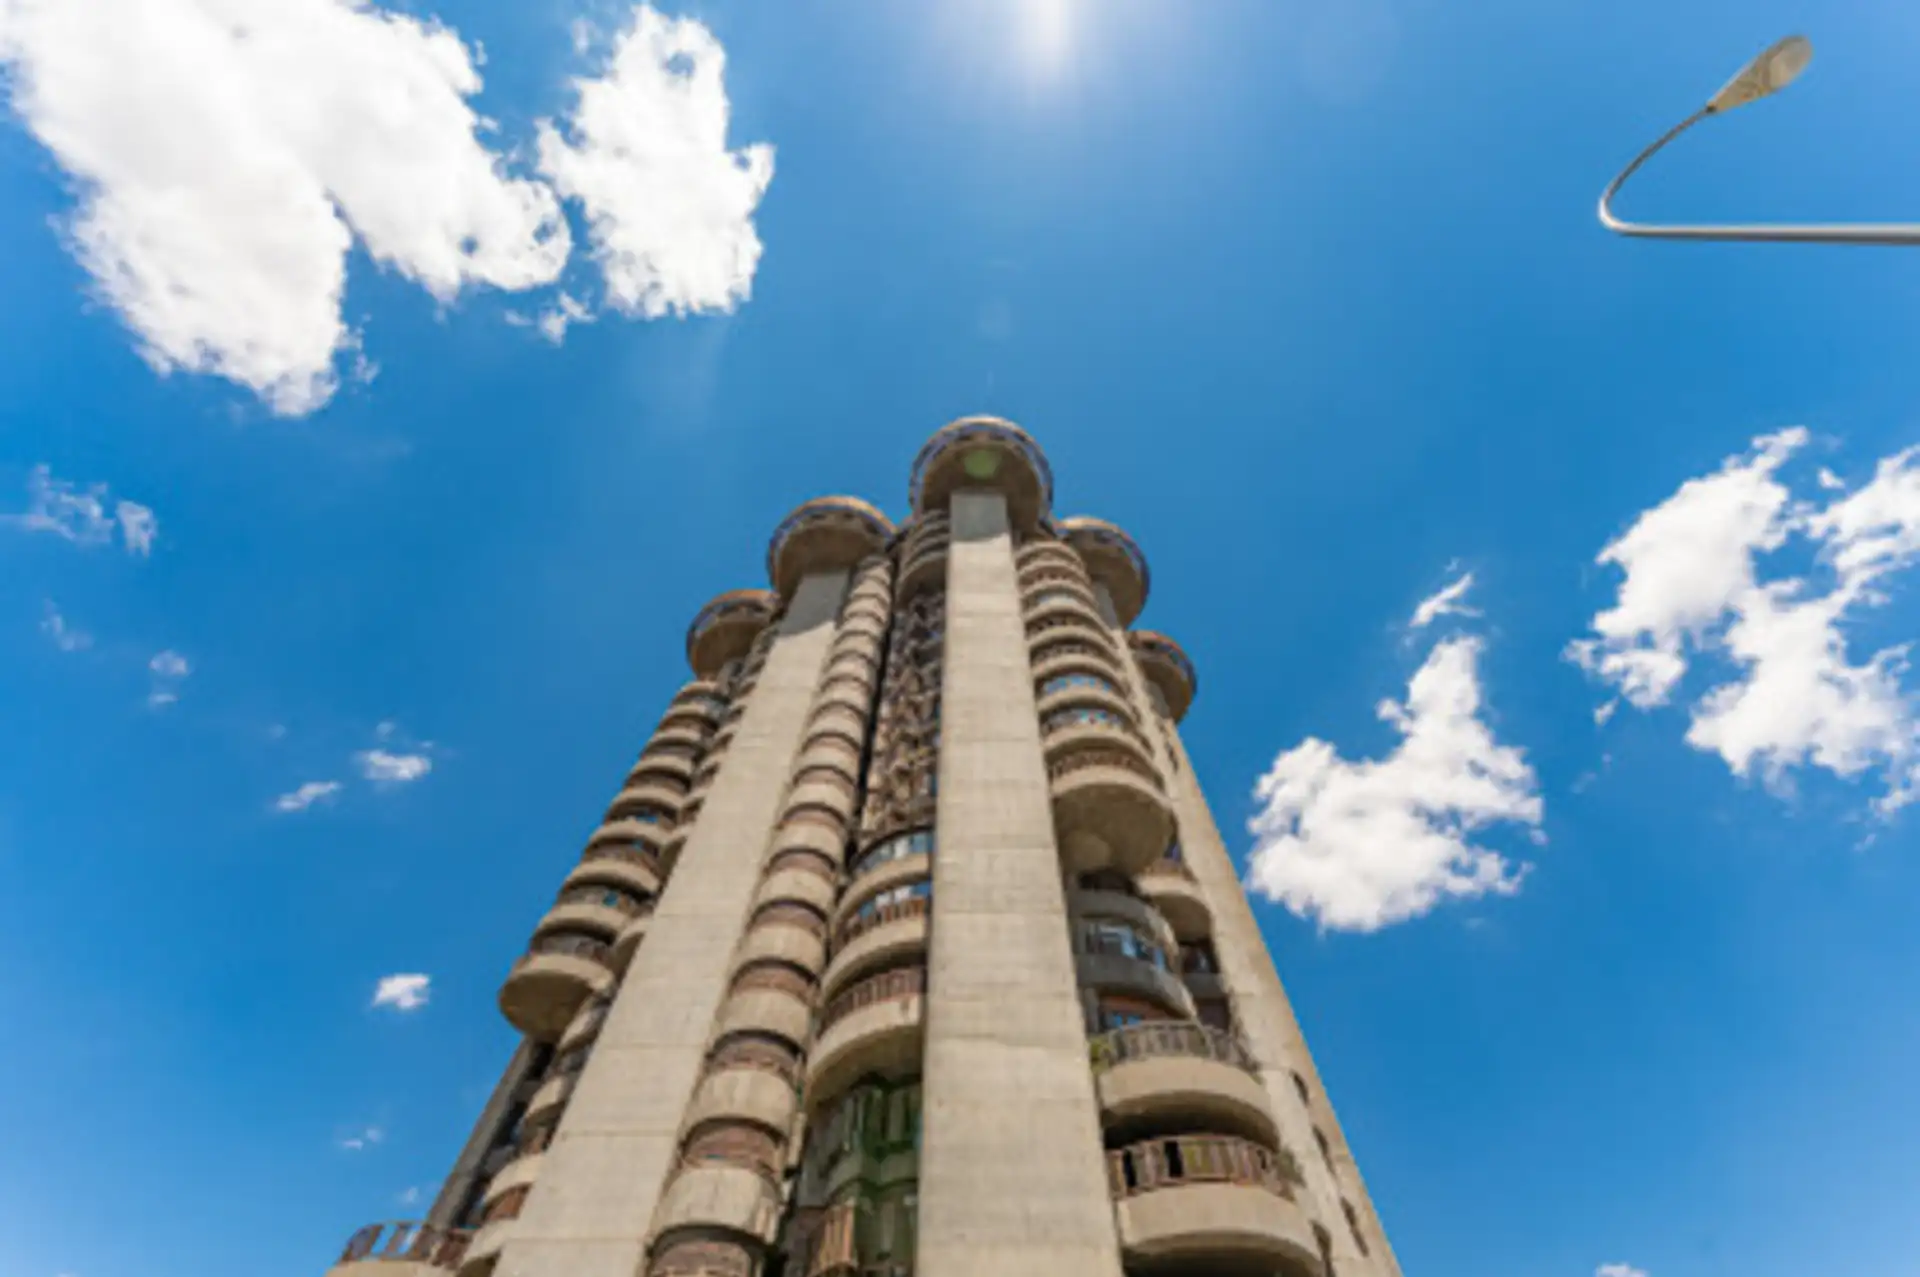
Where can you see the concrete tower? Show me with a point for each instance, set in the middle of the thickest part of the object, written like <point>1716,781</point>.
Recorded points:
<point>908,947</point>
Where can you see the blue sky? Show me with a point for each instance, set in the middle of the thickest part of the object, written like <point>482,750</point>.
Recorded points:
<point>1310,300</point>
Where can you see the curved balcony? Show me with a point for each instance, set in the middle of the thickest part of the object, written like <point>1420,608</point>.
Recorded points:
<point>984,452</point>
<point>1209,1199</point>
<point>880,938</point>
<point>590,910</point>
<point>721,1197</point>
<point>1175,892</point>
<point>770,940</point>
<point>1091,904</point>
<point>827,534</point>
<point>628,832</point>
<point>649,795</point>
<point>766,1011</point>
<point>874,1026</point>
<point>924,568</point>
<point>830,749</point>
<point>406,1249</point>
<point>1067,606</point>
<point>1102,704</point>
<point>1133,977</point>
<point>551,1096</point>
<point>1114,560</point>
<point>521,1170</point>
<point>829,794</point>
<point>669,767</point>
<point>585,1025</point>
<point>799,885</point>
<point>1172,1075</point>
<point>725,629</point>
<point>549,982</point>
<point>630,868</point>
<point>1049,550</point>
<point>1108,812</point>
<point>746,1094</point>
<point>843,720</point>
<point>1065,658</point>
<point>877,875</point>
<point>489,1240</point>
<point>1165,665</point>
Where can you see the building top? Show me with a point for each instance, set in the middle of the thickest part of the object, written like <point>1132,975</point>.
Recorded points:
<point>823,535</point>
<point>1167,668</point>
<point>1113,559</point>
<point>985,452</point>
<point>725,628</point>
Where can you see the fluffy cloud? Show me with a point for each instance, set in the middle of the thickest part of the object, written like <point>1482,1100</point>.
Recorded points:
<point>228,155</point>
<point>169,669</point>
<point>1360,845</point>
<point>383,767</point>
<point>64,636</point>
<point>1445,603</point>
<point>362,1139</point>
<point>1691,586</point>
<point>1619,1270</point>
<point>403,992</point>
<point>306,796</point>
<point>81,515</point>
<point>669,207</point>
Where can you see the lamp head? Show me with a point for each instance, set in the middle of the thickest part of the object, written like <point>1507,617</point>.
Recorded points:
<point>1769,73</point>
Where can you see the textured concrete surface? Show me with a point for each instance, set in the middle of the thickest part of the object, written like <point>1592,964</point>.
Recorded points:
<point>487,1132</point>
<point>1012,1179</point>
<point>593,1208</point>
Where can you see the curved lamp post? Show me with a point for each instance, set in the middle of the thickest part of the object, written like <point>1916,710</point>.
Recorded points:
<point>1769,73</point>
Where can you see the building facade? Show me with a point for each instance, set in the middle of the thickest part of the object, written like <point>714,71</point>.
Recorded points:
<point>908,947</point>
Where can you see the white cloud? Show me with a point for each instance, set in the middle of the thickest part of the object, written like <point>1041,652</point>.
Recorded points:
<point>306,796</point>
<point>1360,845</point>
<point>669,207</point>
<point>138,526</point>
<point>1619,1270</point>
<point>362,1139</point>
<point>382,767</point>
<point>410,1197</point>
<point>64,636</point>
<point>80,515</point>
<point>1446,603</point>
<point>1691,586</point>
<point>228,154</point>
<point>403,992</point>
<point>566,312</point>
<point>169,669</point>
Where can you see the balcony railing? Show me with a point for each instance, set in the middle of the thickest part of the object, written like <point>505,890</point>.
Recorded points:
<point>414,1242</point>
<point>603,897</point>
<point>1160,1039</point>
<point>570,946</point>
<point>630,853</point>
<point>1123,759</point>
<point>907,983</point>
<point>867,919</point>
<point>1200,1159</point>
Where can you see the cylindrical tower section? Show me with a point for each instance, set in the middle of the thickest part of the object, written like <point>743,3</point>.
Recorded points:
<point>1011,1170</point>
<point>722,1205</point>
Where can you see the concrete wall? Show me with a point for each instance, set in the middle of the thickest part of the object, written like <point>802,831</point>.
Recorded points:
<point>1012,1177</point>
<point>592,1208</point>
<point>488,1131</point>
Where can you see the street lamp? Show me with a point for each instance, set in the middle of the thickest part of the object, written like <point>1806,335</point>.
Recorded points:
<point>1769,73</point>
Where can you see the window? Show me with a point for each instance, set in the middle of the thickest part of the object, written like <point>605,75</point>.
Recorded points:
<point>1119,938</point>
<point>1119,1018</point>
<point>894,896</point>
<point>917,843</point>
<point>1174,853</point>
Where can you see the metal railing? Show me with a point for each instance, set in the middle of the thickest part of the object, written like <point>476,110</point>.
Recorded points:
<point>626,853</point>
<point>1200,1159</point>
<point>867,919</point>
<point>1160,1039</point>
<point>415,1242</point>
<point>907,983</point>
<point>567,946</point>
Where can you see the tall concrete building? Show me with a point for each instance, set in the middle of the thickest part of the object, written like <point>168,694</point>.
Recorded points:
<point>908,946</point>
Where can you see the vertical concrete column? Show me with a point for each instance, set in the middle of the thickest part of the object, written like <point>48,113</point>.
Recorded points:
<point>591,1209</point>
<point>1013,1181</point>
<point>1272,1033</point>
<point>487,1134</point>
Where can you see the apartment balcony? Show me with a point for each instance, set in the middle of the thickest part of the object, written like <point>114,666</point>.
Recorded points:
<point>1108,810</point>
<point>634,868</point>
<point>874,1026</point>
<point>551,980</point>
<point>924,567</point>
<point>402,1250</point>
<point>1172,1075</point>
<point>649,794</point>
<point>876,939</point>
<point>746,1093</point>
<point>1175,892</point>
<point>1210,1200</point>
<point>627,943</point>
